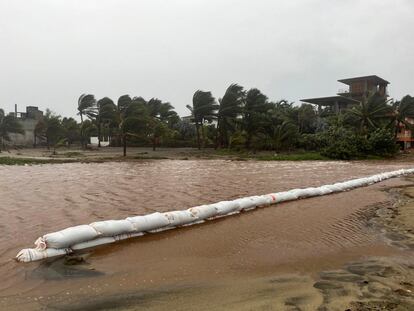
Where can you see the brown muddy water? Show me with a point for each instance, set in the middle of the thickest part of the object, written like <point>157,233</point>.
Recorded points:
<point>229,263</point>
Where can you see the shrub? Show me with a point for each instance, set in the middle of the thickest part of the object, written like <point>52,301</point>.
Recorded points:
<point>382,143</point>
<point>311,142</point>
<point>340,144</point>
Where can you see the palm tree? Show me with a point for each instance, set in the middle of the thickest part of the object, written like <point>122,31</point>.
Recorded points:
<point>254,114</point>
<point>282,135</point>
<point>161,114</point>
<point>230,109</point>
<point>8,124</point>
<point>370,113</point>
<point>106,115</point>
<point>50,129</point>
<point>401,111</point>
<point>135,121</point>
<point>123,104</point>
<point>87,107</point>
<point>281,132</point>
<point>204,109</point>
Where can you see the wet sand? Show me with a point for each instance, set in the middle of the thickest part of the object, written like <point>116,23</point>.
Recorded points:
<point>300,255</point>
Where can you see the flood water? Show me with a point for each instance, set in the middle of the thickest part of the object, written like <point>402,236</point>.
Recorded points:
<point>193,267</point>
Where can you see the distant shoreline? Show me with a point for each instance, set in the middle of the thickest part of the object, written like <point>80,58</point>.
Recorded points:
<point>31,156</point>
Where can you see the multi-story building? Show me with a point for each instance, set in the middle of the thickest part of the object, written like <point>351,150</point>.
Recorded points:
<point>28,121</point>
<point>405,135</point>
<point>359,88</point>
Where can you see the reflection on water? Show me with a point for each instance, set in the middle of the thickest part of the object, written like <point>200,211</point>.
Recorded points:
<point>292,237</point>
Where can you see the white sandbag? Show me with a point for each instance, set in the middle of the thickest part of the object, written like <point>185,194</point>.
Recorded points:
<point>348,185</point>
<point>246,203</point>
<point>323,190</point>
<point>286,196</point>
<point>335,188</point>
<point>373,179</point>
<point>270,198</point>
<point>67,237</point>
<point>260,200</point>
<point>125,236</point>
<point>203,212</point>
<point>113,227</point>
<point>105,240</point>
<point>307,192</point>
<point>93,243</point>
<point>31,254</point>
<point>180,218</point>
<point>227,207</point>
<point>86,236</point>
<point>149,222</point>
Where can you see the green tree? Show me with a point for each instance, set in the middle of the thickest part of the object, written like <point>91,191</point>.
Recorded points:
<point>160,113</point>
<point>136,123</point>
<point>123,104</point>
<point>370,114</point>
<point>283,135</point>
<point>229,112</point>
<point>254,114</point>
<point>39,132</point>
<point>50,129</point>
<point>306,119</point>
<point>280,128</point>
<point>8,124</point>
<point>71,130</point>
<point>87,107</point>
<point>204,109</point>
<point>106,115</point>
<point>89,129</point>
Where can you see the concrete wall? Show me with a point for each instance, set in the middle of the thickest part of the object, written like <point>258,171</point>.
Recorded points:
<point>27,139</point>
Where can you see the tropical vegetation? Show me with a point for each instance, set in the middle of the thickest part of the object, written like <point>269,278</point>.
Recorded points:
<point>240,120</point>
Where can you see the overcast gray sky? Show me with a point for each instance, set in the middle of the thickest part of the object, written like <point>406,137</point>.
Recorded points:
<point>53,50</point>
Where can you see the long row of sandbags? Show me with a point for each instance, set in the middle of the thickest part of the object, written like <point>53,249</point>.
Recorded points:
<point>104,232</point>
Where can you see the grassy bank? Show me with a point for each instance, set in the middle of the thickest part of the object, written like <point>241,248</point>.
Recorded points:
<point>307,156</point>
<point>30,161</point>
<point>113,154</point>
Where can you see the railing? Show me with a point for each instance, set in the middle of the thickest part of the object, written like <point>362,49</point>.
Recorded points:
<point>343,91</point>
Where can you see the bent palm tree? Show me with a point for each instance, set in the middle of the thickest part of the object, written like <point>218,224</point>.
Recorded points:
<point>106,114</point>
<point>8,124</point>
<point>371,112</point>
<point>87,107</point>
<point>204,109</point>
<point>230,109</point>
<point>254,113</point>
<point>136,123</point>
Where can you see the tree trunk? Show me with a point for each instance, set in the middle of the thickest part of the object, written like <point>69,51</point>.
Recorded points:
<point>203,136</point>
<point>99,134</point>
<point>124,141</point>
<point>396,130</point>
<point>83,145</point>
<point>198,135</point>
<point>217,134</point>
<point>248,140</point>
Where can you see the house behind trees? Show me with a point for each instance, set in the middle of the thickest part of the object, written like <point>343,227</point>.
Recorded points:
<point>28,121</point>
<point>359,89</point>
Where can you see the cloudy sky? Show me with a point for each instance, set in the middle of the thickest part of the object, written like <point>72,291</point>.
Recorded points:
<point>53,50</point>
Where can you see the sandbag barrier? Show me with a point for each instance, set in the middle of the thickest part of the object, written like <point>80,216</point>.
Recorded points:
<point>110,231</point>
